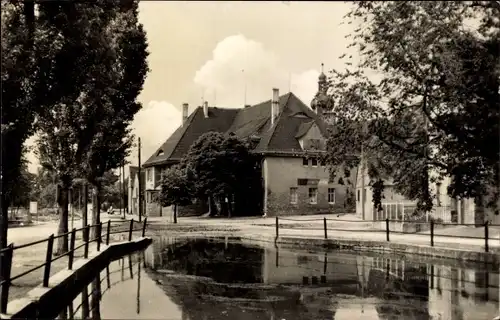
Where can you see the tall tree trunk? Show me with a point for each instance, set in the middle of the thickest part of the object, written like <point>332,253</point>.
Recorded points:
<point>85,210</point>
<point>175,213</point>
<point>96,209</point>
<point>212,208</point>
<point>4,220</point>
<point>62,242</point>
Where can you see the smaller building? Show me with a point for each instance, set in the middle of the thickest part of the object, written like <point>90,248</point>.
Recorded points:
<point>133,189</point>
<point>397,207</point>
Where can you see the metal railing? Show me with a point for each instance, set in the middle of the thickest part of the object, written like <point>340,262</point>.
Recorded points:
<point>6,254</point>
<point>420,226</point>
<point>403,210</point>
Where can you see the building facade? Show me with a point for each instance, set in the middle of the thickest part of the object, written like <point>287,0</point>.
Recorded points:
<point>396,207</point>
<point>291,141</point>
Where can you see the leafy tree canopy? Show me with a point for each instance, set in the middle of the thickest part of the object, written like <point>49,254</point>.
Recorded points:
<point>176,189</point>
<point>435,110</point>
<point>218,164</point>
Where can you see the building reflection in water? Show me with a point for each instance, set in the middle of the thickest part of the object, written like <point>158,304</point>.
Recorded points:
<point>242,280</point>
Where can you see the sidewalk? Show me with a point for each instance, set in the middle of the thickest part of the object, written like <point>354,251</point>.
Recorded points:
<point>29,257</point>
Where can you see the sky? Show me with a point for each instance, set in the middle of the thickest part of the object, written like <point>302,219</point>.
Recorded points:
<point>230,54</point>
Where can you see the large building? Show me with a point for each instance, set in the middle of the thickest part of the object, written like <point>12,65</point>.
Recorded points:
<point>291,139</point>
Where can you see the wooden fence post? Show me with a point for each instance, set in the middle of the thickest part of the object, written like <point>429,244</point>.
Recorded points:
<point>432,232</point>
<point>144,227</point>
<point>6,260</point>
<point>48,261</point>
<point>108,228</point>
<point>387,229</point>
<point>324,224</point>
<point>486,236</point>
<point>71,254</point>
<point>99,236</point>
<point>277,227</point>
<point>130,229</point>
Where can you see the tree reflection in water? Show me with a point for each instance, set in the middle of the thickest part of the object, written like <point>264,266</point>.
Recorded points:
<point>92,310</point>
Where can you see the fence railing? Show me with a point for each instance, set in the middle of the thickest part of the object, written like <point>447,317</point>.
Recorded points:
<point>420,226</point>
<point>403,210</point>
<point>6,254</point>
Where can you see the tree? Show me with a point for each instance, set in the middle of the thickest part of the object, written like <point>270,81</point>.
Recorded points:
<point>18,111</point>
<point>112,144</point>
<point>176,189</point>
<point>45,188</point>
<point>435,109</point>
<point>80,97</point>
<point>220,167</point>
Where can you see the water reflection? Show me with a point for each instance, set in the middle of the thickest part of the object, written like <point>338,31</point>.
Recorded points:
<point>217,279</point>
<point>208,279</point>
<point>84,308</point>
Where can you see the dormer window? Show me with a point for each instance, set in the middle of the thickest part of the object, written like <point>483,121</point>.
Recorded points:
<point>159,153</point>
<point>300,115</point>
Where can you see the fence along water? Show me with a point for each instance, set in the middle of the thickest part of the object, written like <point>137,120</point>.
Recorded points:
<point>6,254</point>
<point>390,226</point>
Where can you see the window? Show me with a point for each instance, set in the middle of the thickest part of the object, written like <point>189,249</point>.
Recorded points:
<point>314,144</point>
<point>358,195</point>
<point>331,195</point>
<point>313,195</point>
<point>149,174</point>
<point>305,161</point>
<point>293,196</point>
<point>314,162</point>
<point>302,182</point>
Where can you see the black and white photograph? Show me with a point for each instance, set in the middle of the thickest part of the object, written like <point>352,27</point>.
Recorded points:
<point>250,160</point>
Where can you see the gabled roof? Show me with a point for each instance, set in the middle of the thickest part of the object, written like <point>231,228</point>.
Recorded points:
<point>196,124</point>
<point>281,137</point>
<point>293,118</point>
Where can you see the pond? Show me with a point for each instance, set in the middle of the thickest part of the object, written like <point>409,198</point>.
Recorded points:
<point>205,279</point>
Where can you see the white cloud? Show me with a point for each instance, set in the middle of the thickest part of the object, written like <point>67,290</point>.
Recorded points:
<point>154,124</point>
<point>262,71</point>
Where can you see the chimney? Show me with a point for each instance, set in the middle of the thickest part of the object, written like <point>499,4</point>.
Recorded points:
<point>185,108</point>
<point>205,109</point>
<point>275,105</point>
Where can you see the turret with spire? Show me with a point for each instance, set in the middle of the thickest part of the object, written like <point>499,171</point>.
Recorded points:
<point>322,103</point>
